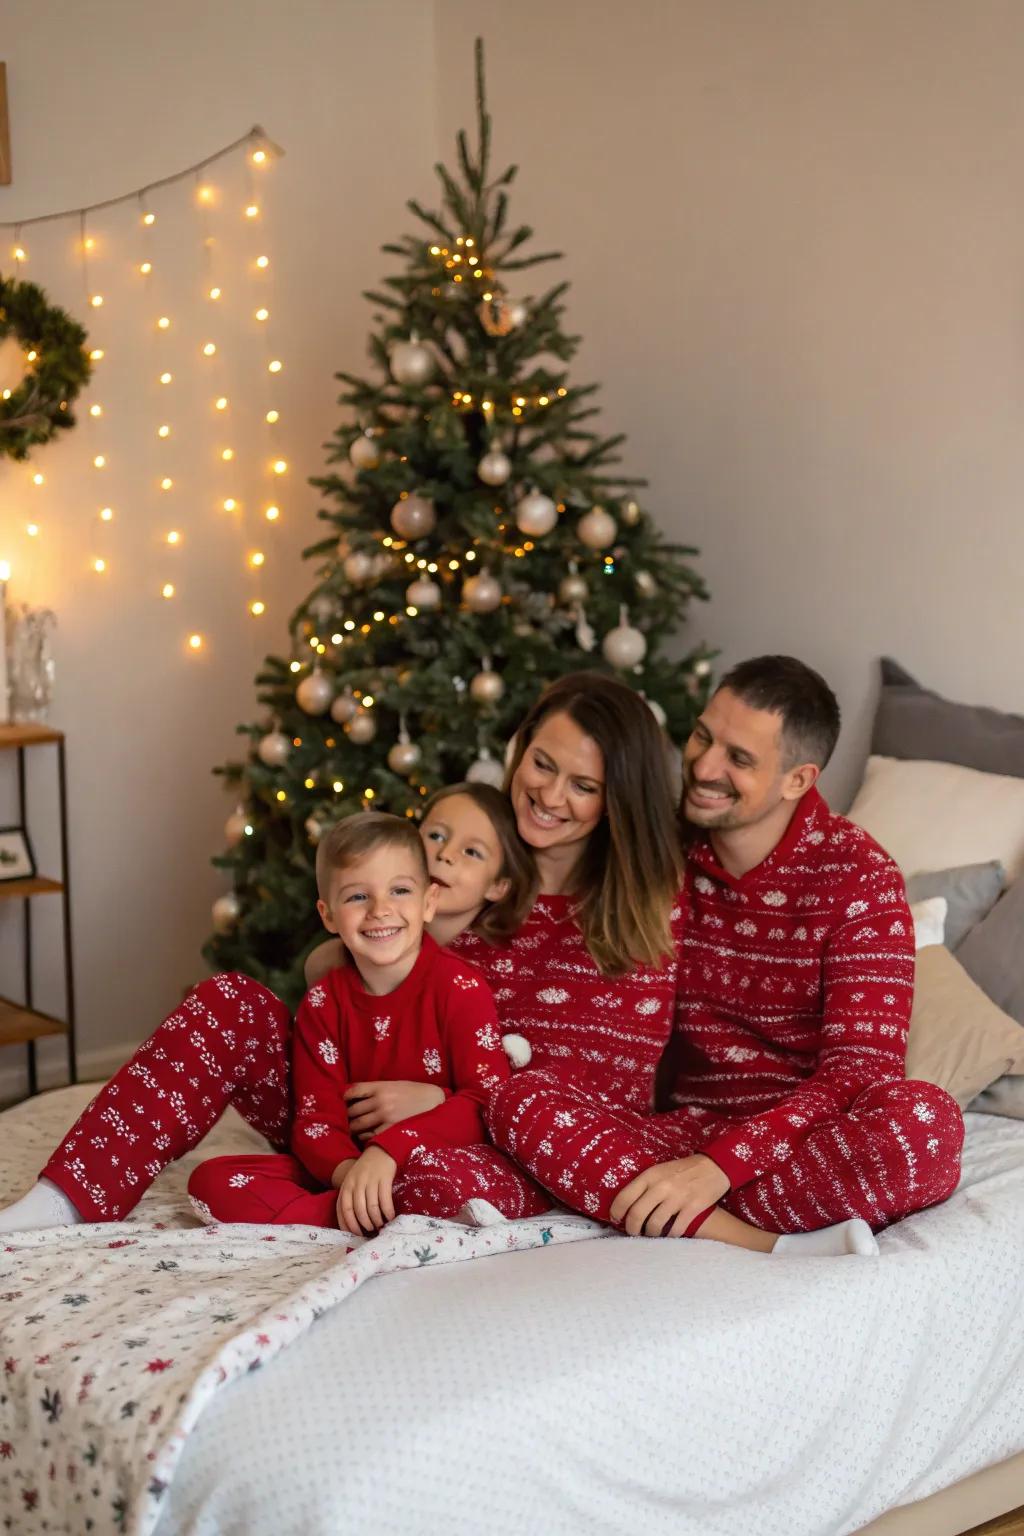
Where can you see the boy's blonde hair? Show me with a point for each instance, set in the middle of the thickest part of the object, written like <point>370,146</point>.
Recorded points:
<point>352,839</point>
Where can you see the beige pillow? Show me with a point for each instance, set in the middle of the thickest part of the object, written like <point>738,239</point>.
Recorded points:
<point>959,1039</point>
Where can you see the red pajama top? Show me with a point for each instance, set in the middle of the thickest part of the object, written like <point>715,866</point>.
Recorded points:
<point>796,988</point>
<point>609,1032</point>
<point>439,1026</point>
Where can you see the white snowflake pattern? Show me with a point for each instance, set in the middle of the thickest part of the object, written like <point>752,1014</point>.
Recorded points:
<point>328,1052</point>
<point>704,886</point>
<point>775,898</point>
<point>488,1038</point>
<point>746,928</point>
<point>431,1061</point>
<point>316,997</point>
<point>552,995</point>
<point>856,908</point>
<point>381,1027</point>
<point>239,1180</point>
<point>924,1112</point>
<point>564,1119</point>
<point>743,1151</point>
<point>648,1005</point>
<point>314,1131</point>
<point>466,982</point>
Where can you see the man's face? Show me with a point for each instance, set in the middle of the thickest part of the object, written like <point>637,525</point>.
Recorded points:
<point>733,766</point>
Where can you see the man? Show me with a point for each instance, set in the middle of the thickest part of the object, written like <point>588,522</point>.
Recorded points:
<point>794,994</point>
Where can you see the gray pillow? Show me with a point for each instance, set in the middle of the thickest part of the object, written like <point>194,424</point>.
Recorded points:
<point>914,723</point>
<point>1005,1097</point>
<point>971,891</point>
<point>993,953</point>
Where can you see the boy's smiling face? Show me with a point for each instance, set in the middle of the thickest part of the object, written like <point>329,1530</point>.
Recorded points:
<point>378,907</point>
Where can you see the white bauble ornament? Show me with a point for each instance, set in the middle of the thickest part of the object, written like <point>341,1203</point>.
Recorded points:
<point>314,694</point>
<point>234,827</point>
<point>358,567</point>
<point>225,912</point>
<point>517,312</point>
<point>572,588</point>
<point>495,467</point>
<point>536,514</point>
<point>343,708</point>
<point>597,528</point>
<point>314,829</point>
<point>404,756</point>
<point>482,594</point>
<point>631,514</point>
<point>411,363</point>
<point>486,771</point>
<point>518,1050</point>
<point>585,637</point>
<point>624,646</point>
<point>657,711</point>
<point>364,453</point>
<point>413,517</point>
<point>423,594</point>
<point>646,584</point>
<point>274,749</point>
<point>362,728</point>
<point>487,687</point>
<point>702,668</point>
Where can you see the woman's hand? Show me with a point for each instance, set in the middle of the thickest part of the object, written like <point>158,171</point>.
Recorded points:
<point>364,1200</point>
<point>663,1200</point>
<point>376,1107</point>
<point>324,958</point>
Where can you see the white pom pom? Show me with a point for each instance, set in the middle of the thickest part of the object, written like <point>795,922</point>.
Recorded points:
<point>517,1049</point>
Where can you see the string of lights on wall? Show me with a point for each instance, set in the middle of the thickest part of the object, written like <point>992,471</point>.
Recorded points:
<point>210,373</point>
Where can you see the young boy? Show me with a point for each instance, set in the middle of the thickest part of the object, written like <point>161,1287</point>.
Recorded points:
<point>403,1009</point>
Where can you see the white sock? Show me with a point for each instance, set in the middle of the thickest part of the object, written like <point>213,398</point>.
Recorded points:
<point>44,1206</point>
<point>479,1213</point>
<point>848,1237</point>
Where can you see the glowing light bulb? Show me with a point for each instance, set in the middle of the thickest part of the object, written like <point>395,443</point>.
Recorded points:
<point>272,514</point>
<point>195,642</point>
<point>31,356</point>
<point>6,394</point>
<point>96,354</point>
<point>222,403</point>
<point>165,378</point>
<point>336,639</point>
<point>99,566</point>
<point>229,504</point>
<point>19,253</point>
<point>337,786</point>
<point>145,267</point>
<point>89,243</point>
<point>166,483</point>
<point>95,410</point>
<point>272,416</point>
<point>259,156</point>
<point>275,366</point>
<point>174,537</point>
<point>149,218</point>
<point>257,557</point>
<point>256,608</point>
<point>106,514</point>
<point>263,261</point>
<point>296,666</point>
<point>281,795</point>
<point>206,194</point>
<point>96,300</point>
<point>32,529</point>
<point>163,323</point>
<point>252,211</point>
<point>412,612</point>
<point>263,314</point>
<point>309,783</point>
<point>227,455</point>
<point>163,431</point>
<point>214,293</point>
<point>280,466</point>
<point>99,461</point>
<point>167,590</point>
<point>209,349</point>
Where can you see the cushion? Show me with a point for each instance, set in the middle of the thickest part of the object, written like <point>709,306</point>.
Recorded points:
<point>912,722</point>
<point>970,893</point>
<point>993,953</point>
<point>929,921</point>
<point>959,1039</point>
<point>939,816</point>
<point>1005,1097</point>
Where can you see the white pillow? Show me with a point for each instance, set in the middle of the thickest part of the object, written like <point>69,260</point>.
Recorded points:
<point>939,815</point>
<point>929,921</point>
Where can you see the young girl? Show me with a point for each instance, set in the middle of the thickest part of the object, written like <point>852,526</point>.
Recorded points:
<point>239,1034</point>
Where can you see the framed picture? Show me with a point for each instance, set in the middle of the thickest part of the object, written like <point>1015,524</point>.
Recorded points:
<point>16,861</point>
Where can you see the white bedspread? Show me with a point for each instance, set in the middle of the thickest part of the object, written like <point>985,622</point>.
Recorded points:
<point>628,1386</point>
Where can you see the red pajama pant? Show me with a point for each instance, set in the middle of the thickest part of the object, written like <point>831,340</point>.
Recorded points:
<point>229,1043</point>
<point>895,1151</point>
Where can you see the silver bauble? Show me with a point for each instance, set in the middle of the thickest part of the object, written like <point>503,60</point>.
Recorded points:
<point>487,687</point>
<point>423,594</point>
<point>495,467</point>
<point>358,567</point>
<point>631,514</point>
<point>274,749</point>
<point>314,694</point>
<point>536,514</point>
<point>486,771</point>
<point>226,911</point>
<point>646,584</point>
<point>517,312</point>
<point>362,728</point>
<point>657,711</point>
<point>364,453</point>
<point>413,517</point>
<point>482,594</point>
<point>624,646</point>
<point>404,757</point>
<point>343,708</point>
<point>411,363</point>
<point>572,589</point>
<point>597,528</point>
<point>234,827</point>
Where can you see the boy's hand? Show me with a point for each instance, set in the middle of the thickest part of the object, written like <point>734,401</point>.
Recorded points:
<point>663,1200</point>
<point>376,1107</point>
<point>338,1176</point>
<point>364,1201</point>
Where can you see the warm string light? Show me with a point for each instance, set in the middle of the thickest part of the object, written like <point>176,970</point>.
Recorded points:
<point>259,268</point>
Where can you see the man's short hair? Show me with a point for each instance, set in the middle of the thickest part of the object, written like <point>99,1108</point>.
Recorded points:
<point>351,839</point>
<point>807,705</point>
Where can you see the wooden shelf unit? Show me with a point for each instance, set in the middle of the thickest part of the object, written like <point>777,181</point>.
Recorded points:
<point>22,1023</point>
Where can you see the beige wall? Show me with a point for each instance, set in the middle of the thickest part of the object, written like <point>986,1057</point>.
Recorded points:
<point>104,97</point>
<point>795,231</point>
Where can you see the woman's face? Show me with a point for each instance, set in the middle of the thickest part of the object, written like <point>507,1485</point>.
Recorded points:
<point>558,789</point>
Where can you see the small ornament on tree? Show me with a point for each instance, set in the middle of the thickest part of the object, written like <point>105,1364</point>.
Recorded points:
<point>488,686</point>
<point>343,708</point>
<point>364,453</point>
<point>597,528</point>
<point>411,363</point>
<point>358,567</point>
<point>362,728</point>
<point>423,594</point>
<point>645,584</point>
<point>573,588</point>
<point>413,517</point>
<point>274,749</point>
<point>495,467</point>
<point>486,770</point>
<point>631,514</point>
<point>624,647</point>
<point>656,710</point>
<point>404,757</point>
<point>234,827</point>
<point>482,594</point>
<point>500,315</point>
<point>314,693</point>
<point>585,637</point>
<point>226,911</point>
<point>536,514</point>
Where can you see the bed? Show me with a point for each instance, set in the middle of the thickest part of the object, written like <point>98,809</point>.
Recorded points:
<point>562,1381</point>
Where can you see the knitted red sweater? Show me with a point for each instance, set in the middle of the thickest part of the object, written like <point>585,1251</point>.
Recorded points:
<point>796,988</point>
<point>438,1026</point>
<point>609,1031</point>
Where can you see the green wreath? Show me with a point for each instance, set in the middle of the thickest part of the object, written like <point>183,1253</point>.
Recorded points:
<point>40,407</point>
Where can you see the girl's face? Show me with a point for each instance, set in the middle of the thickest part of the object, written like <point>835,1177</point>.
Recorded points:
<point>558,789</point>
<point>463,856</point>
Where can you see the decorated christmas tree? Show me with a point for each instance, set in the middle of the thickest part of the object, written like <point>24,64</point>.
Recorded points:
<point>480,543</point>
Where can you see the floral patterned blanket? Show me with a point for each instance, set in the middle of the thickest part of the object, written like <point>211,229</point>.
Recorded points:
<point>114,1338</point>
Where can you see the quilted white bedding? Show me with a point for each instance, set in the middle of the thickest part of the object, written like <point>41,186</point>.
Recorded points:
<point>616,1386</point>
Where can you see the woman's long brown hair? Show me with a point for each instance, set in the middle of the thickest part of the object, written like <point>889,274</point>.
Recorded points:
<point>628,877</point>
